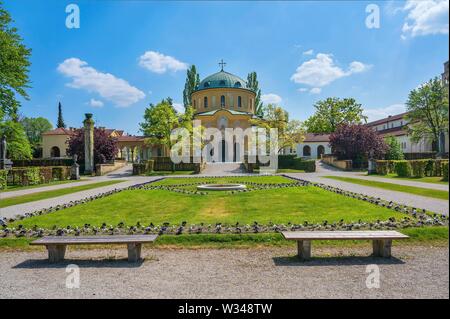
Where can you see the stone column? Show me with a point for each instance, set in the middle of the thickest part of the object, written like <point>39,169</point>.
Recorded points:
<point>88,144</point>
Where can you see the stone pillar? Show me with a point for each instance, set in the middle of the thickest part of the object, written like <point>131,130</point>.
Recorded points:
<point>88,144</point>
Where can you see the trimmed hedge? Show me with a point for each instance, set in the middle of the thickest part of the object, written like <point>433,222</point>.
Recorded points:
<point>3,178</point>
<point>402,168</point>
<point>286,161</point>
<point>445,171</point>
<point>412,168</point>
<point>25,176</point>
<point>166,164</point>
<point>43,162</point>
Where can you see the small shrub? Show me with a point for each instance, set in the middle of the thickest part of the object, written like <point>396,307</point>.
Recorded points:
<point>445,171</point>
<point>3,179</point>
<point>402,168</point>
<point>382,167</point>
<point>418,168</point>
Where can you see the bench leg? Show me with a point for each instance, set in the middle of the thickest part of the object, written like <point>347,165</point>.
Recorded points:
<point>134,252</point>
<point>56,253</point>
<point>382,248</point>
<point>304,249</point>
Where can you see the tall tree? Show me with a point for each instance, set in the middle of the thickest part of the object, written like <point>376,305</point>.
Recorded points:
<point>192,81</point>
<point>60,122</point>
<point>394,149</point>
<point>332,112</point>
<point>356,142</point>
<point>18,146</point>
<point>34,127</point>
<point>253,84</point>
<point>289,132</point>
<point>14,67</point>
<point>161,119</point>
<point>428,112</point>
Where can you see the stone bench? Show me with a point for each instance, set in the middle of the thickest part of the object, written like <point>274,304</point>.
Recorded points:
<point>56,245</point>
<point>382,240</point>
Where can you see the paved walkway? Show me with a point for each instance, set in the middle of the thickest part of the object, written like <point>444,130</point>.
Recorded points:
<point>325,170</point>
<point>431,204</point>
<point>413,272</point>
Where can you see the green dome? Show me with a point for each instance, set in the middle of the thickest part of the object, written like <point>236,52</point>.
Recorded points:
<point>222,79</point>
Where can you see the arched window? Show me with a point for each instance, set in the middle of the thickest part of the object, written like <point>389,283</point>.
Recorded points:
<point>306,150</point>
<point>320,151</point>
<point>222,101</point>
<point>54,152</point>
<point>206,84</point>
<point>205,101</point>
<point>195,104</point>
<point>237,85</point>
<point>222,83</point>
<point>239,101</point>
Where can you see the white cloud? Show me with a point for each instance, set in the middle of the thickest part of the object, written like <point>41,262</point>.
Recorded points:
<point>109,87</point>
<point>315,90</point>
<point>302,90</point>
<point>426,17</point>
<point>178,107</point>
<point>321,71</point>
<point>159,63</point>
<point>95,103</point>
<point>382,112</point>
<point>309,52</point>
<point>271,98</point>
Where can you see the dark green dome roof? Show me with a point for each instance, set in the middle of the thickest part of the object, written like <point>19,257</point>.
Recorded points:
<point>222,79</point>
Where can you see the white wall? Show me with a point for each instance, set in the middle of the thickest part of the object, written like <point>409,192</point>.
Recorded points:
<point>313,146</point>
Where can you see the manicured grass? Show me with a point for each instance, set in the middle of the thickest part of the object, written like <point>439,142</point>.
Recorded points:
<point>17,187</point>
<point>289,170</point>
<point>226,179</point>
<point>295,205</point>
<point>168,173</point>
<point>394,187</point>
<point>426,179</point>
<point>53,193</point>
<point>418,236</point>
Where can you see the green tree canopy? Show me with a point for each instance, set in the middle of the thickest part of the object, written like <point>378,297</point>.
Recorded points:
<point>394,149</point>
<point>34,127</point>
<point>253,84</point>
<point>290,132</point>
<point>428,112</point>
<point>332,112</point>
<point>18,146</point>
<point>192,80</point>
<point>14,67</point>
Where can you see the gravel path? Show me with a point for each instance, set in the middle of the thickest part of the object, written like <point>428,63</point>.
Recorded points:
<point>417,272</point>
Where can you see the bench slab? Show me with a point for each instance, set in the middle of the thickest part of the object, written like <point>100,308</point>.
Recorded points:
<point>343,235</point>
<point>382,240</point>
<point>56,245</point>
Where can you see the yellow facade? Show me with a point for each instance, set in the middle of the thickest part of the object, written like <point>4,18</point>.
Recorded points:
<point>223,98</point>
<point>54,145</point>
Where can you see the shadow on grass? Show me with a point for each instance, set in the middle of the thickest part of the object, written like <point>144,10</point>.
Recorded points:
<point>82,263</point>
<point>335,261</point>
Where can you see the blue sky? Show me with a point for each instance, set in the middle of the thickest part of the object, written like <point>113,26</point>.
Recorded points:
<point>127,54</point>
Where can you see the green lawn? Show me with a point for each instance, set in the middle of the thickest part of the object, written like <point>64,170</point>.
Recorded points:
<point>167,173</point>
<point>295,205</point>
<point>17,187</point>
<point>394,187</point>
<point>53,193</point>
<point>427,179</point>
<point>233,179</point>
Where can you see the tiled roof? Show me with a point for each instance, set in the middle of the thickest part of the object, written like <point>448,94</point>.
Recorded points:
<point>59,131</point>
<point>130,138</point>
<point>316,137</point>
<point>387,119</point>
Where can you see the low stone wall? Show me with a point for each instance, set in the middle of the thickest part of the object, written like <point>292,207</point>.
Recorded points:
<point>102,169</point>
<point>332,160</point>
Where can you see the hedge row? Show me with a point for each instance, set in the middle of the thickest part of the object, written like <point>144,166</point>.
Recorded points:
<point>25,176</point>
<point>287,162</point>
<point>43,162</point>
<point>414,168</point>
<point>166,164</point>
